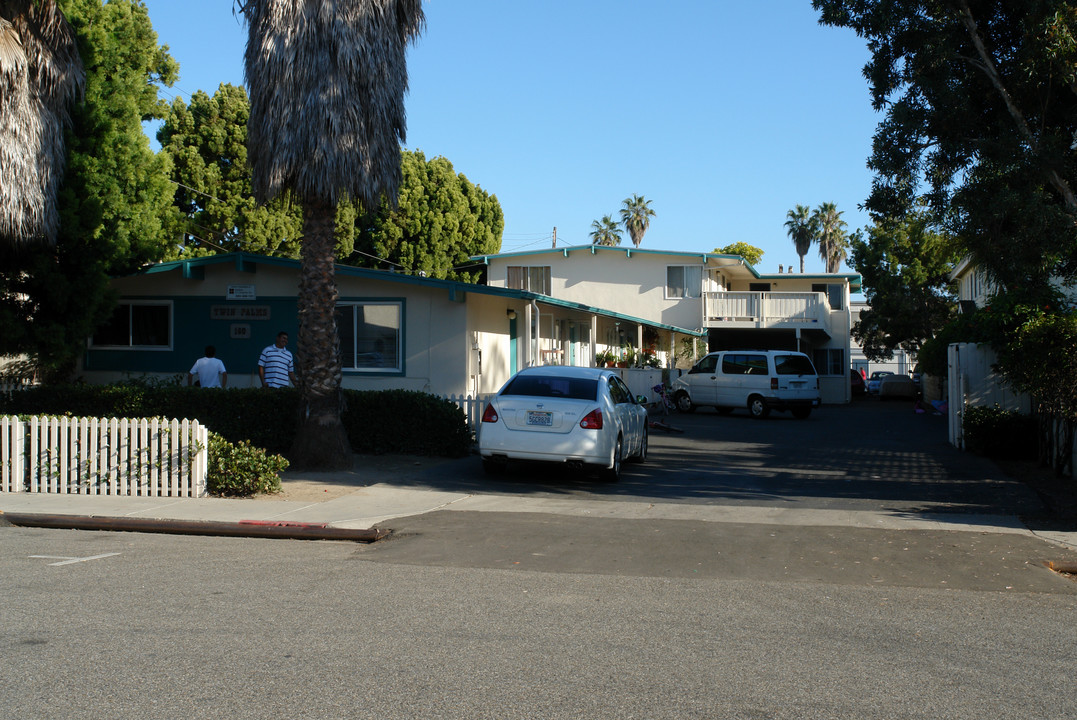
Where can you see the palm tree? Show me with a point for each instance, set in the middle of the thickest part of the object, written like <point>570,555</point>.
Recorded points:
<point>636,216</point>
<point>833,240</point>
<point>605,232</point>
<point>800,226</point>
<point>327,84</point>
<point>40,74</point>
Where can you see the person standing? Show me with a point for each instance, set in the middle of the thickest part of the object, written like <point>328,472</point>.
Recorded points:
<point>209,371</point>
<point>275,366</point>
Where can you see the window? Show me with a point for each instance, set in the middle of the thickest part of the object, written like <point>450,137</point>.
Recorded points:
<point>829,361</point>
<point>137,325</point>
<point>793,365</point>
<point>758,287</point>
<point>745,365</point>
<point>370,337</point>
<point>707,365</point>
<point>684,281</point>
<point>533,279</point>
<point>552,386</point>
<point>833,291</point>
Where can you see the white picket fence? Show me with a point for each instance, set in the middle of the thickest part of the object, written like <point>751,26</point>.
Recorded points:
<point>92,456</point>
<point>472,406</point>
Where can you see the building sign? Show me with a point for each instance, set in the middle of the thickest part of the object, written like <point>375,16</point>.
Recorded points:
<point>239,312</point>
<point>240,332</point>
<point>240,292</point>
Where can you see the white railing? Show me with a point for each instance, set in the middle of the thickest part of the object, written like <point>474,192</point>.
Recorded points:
<point>472,406</point>
<point>92,456</point>
<point>765,308</point>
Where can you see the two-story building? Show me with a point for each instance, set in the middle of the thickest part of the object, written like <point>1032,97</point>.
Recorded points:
<point>721,297</point>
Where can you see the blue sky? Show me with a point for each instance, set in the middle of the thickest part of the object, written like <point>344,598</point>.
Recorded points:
<point>724,114</point>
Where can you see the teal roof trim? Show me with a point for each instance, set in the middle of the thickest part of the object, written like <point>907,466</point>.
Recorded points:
<point>456,290</point>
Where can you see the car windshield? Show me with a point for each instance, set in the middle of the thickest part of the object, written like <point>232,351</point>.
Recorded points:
<point>793,365</point>
<point>553,386</point>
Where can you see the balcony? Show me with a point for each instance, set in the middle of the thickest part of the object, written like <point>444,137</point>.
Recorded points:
<point>744,310</point>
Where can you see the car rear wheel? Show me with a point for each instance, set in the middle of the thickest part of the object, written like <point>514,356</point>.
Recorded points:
<point>757,408</point>
<point>684,403</point>
<point>613,474</point>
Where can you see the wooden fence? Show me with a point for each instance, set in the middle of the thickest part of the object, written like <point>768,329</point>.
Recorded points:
<point>472,407</point>
<point>92,456</point>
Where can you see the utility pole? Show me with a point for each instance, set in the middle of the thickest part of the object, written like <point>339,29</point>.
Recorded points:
<point>555,236</point>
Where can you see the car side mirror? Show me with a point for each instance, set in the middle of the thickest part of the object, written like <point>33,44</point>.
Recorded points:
<point>641,400</point>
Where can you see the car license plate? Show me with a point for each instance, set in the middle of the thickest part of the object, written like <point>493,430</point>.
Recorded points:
<point>535,417</point>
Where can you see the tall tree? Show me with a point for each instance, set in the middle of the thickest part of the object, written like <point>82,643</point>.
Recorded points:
<point>115,199</point>
<point>905,266</point>
<point>831,236</point>
<point>439,221</point>
<point>207,144</point>
<point>979,98</point>
<point>605,231</point>
<point>41,73</point>
<point>800,226</point>
<point>636,215</point>
<point>327,86</point>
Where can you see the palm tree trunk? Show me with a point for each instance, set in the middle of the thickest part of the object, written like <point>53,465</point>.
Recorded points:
<point>321,441</point>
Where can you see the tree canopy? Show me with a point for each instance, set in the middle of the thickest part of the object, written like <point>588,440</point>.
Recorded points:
<point>115,200</point>
<point>440,219</point>
<point>978,98</point>
<point>207,144</point>
<point>605,231</point>
<point>750,253</point>
<point>636,214</point>
<point>905,268</point>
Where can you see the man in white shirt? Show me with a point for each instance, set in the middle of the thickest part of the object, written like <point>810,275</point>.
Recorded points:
<point>209,371</point>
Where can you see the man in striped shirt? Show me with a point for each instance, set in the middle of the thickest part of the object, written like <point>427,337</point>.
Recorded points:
<point>275,366</point>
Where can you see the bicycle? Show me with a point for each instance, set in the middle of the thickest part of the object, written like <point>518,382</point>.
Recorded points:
<point>665,402</point>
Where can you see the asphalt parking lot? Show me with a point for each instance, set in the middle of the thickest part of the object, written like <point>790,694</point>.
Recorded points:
<point>868,455</point>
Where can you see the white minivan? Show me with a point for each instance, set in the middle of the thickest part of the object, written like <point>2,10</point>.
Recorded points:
<point>759,380</point>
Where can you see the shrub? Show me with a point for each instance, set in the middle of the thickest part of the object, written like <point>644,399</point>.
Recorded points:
<point>377,422</point>
<point>240,469</point>
<point>406,422</point>
<point>999,433</point>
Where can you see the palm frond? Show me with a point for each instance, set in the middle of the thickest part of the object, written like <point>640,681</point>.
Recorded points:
<point>327,82</point>
<point>40,74</point>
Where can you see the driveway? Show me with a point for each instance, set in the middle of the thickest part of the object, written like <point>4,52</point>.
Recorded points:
<point>868,455</point>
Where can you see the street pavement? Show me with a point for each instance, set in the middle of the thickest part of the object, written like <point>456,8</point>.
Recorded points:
<point>863,494</point>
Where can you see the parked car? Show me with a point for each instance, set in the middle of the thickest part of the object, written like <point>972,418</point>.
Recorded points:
<point>897,386</point>
<point>560,414</point>
<point>759,380</point>
<point>856,383</point>
<point>873,381</point>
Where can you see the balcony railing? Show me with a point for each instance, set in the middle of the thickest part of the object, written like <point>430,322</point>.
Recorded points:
<point>764,309</point>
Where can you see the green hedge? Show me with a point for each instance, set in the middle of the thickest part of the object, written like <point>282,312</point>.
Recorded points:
<point>377,421</point>
<point>999,433</point>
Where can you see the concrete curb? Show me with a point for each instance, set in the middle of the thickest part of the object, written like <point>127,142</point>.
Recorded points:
<point>242,528</point>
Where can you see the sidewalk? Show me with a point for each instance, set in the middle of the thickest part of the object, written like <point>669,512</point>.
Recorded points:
<point>363,508</point>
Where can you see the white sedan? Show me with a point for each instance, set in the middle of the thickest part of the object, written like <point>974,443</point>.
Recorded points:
<point>575,415</point>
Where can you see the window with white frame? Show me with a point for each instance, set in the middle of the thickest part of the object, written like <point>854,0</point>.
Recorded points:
<point>136,324</point>
<point>684,281</point>
<point>534,279</point>
<point>370,336</point>
<point>829,361</point>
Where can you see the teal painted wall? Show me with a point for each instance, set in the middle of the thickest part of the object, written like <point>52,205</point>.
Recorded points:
<point>193,328</point>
